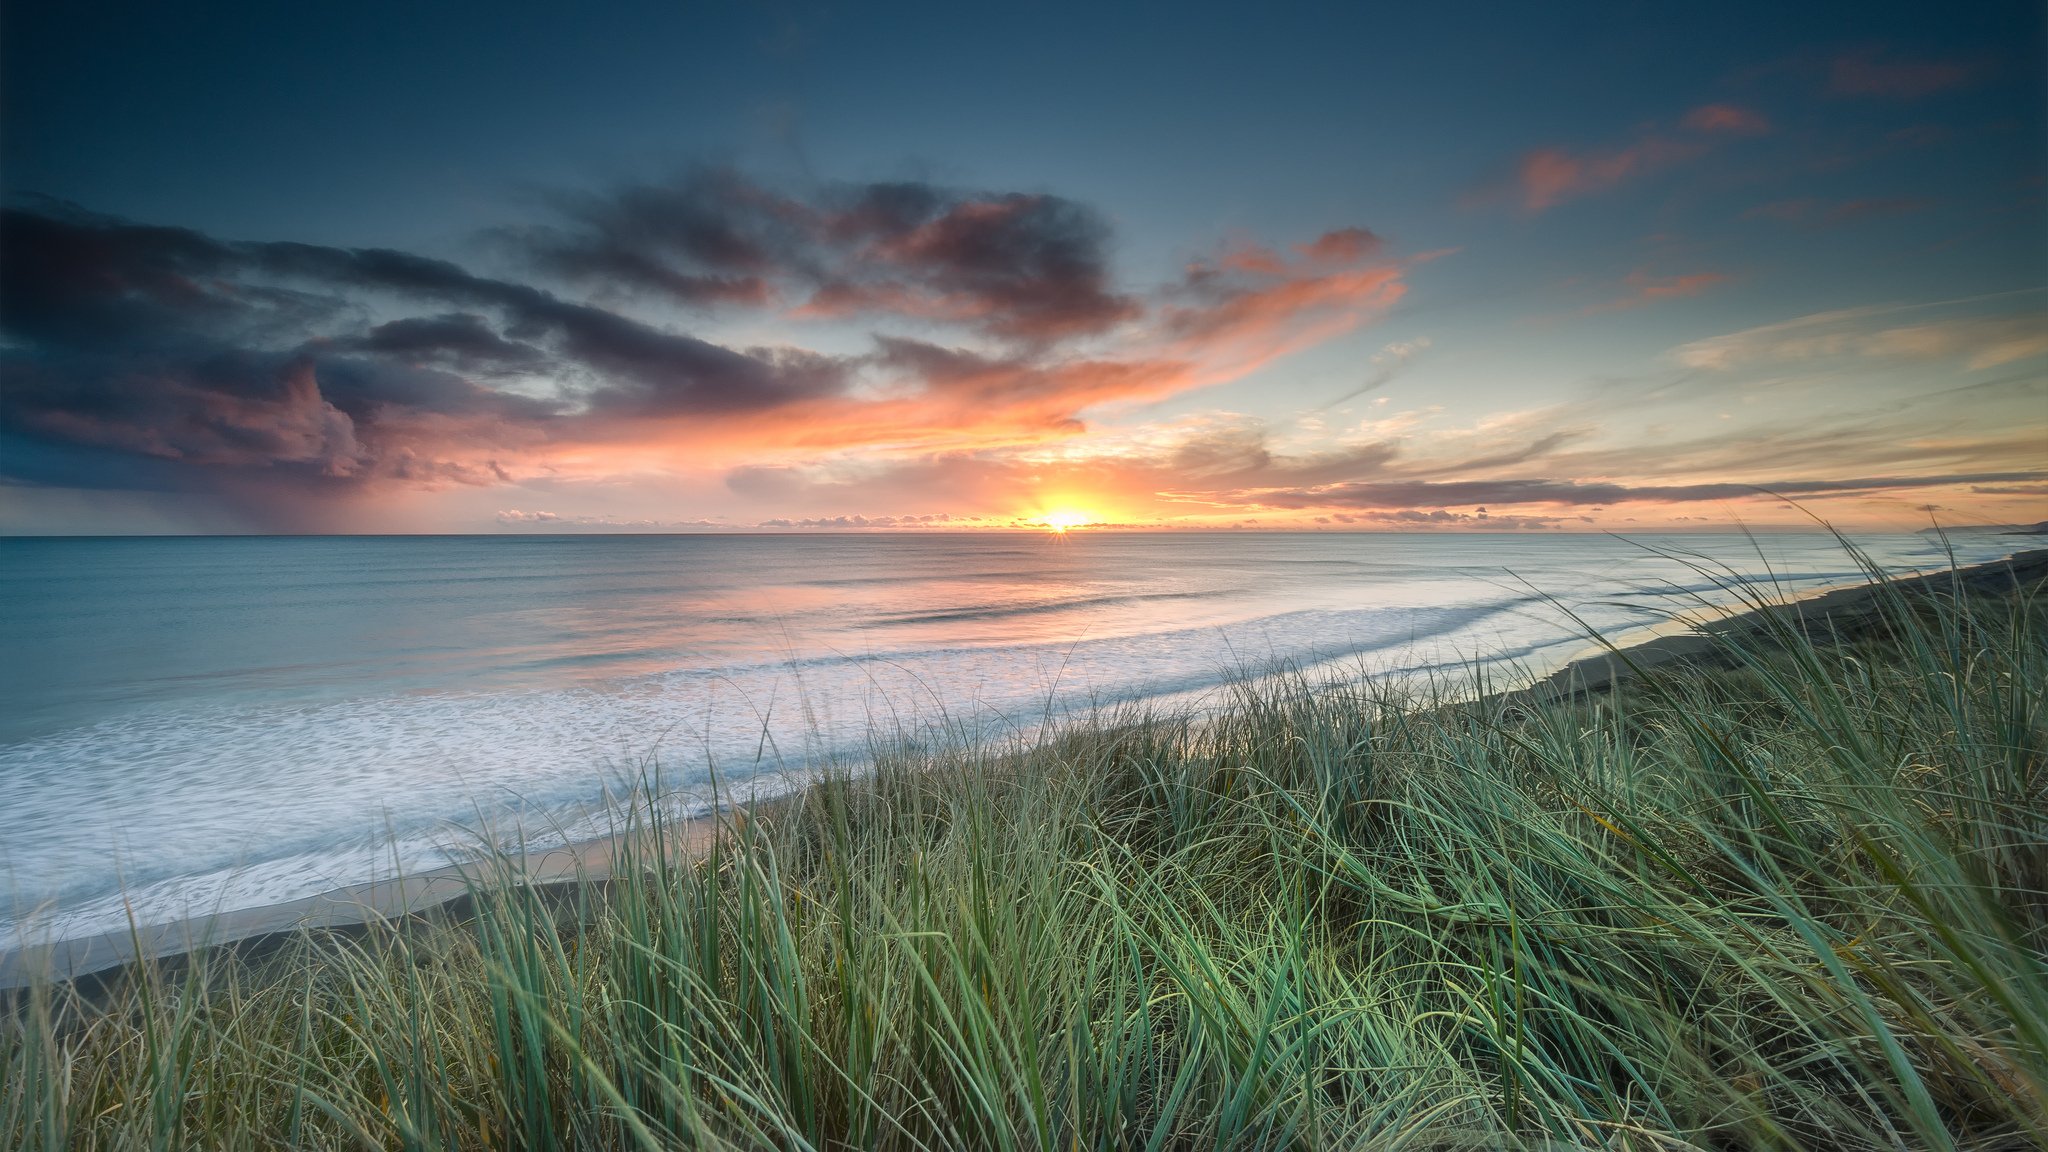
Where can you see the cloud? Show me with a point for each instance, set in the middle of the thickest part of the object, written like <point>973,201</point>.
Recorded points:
<point>1727,118</point>
<point>115,321</point>
<point>231,411</point>
<point>1387,364</point>
<point>1157,473</point>
<point>1252,305</point>
<point>1549,176</point>
<point>457,339</point>
<point>1867,72</point>
<point>1398,494</point>
<point>1021,266</point>
<point>711,238</point>
<point>1877,333</point>
<point>1513,470</point>
<point>1016,266</point>
<point>514,518</point>
<point>164,358</point>
<point>1411,518</point>
<point>1887,439</point>
<point>1343,246</point>
<point>1644,288</point>
<point>859,521</point>
<point>968,380</point>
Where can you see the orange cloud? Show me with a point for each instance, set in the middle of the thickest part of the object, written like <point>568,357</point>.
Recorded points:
<point>1218,470</point>
<point>1243,312</point>
<point>1549,176</point>
<point>1658,288</point>
<point>1645,288</point>
<point>1342,246</point>
<point>1254,258</point>
<point>1727,118</point>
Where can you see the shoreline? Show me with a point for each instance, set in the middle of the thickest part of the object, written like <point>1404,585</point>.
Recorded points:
<point>1845,609</point>
<point>1681,634</point>
<point>443,891</point>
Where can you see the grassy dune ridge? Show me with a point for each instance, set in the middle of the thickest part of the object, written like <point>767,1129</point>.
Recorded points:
<point>1791,894</point>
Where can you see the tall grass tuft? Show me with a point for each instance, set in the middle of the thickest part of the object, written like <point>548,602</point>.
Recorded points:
<point>1793,894</point>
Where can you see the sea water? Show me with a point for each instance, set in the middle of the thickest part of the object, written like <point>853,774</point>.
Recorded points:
<point>190,725</point>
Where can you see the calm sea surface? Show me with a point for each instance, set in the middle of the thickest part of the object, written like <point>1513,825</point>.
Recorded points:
<point>203,723</point>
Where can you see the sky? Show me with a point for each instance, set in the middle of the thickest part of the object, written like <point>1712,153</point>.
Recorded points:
<point>749,266</point>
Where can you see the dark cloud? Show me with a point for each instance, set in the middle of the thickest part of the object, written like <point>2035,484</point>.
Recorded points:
<point>460,338</point>
<point>1025,267</point>
<point>167,343</point>
<point>646,370</point>
<point>712,238</point>
<point>1020,267</point>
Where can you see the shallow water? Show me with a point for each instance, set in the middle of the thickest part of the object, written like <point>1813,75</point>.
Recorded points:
<point>204,723</point>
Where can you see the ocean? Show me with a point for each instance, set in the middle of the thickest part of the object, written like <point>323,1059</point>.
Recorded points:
<point>199,724</point>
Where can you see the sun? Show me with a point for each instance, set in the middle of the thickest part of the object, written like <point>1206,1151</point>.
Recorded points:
<point>1060,522</point>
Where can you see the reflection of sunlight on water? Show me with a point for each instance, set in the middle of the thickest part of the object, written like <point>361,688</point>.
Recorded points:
<point>504,677</point>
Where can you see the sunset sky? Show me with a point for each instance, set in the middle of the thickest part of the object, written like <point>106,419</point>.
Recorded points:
<point>508,267</point>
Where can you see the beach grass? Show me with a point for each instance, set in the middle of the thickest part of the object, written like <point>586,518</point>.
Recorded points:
<point>1793,894</point>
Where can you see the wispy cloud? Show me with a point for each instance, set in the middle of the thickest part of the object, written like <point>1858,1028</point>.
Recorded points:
<point>551,521</point>
<point>1576,494</point>
<point>1559,465</point>
<point>1252,305</point>
<point>1646,288</point>
<point>1549,176</point>
<point>1880,332</point>
<point>1730,118</point>
<point>1873,72</point>
<point>1386,365</point>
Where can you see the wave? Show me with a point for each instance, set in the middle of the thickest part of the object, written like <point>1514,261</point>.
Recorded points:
<point>233,788</point>
<point>1036,608</point>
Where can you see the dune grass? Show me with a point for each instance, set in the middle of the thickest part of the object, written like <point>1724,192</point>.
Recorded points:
<point>1798,899</point>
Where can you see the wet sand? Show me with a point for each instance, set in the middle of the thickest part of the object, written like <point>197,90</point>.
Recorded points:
<point>440,892</point>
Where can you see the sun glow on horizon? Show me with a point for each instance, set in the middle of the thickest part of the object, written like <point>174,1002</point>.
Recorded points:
<point>1063,520</point>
